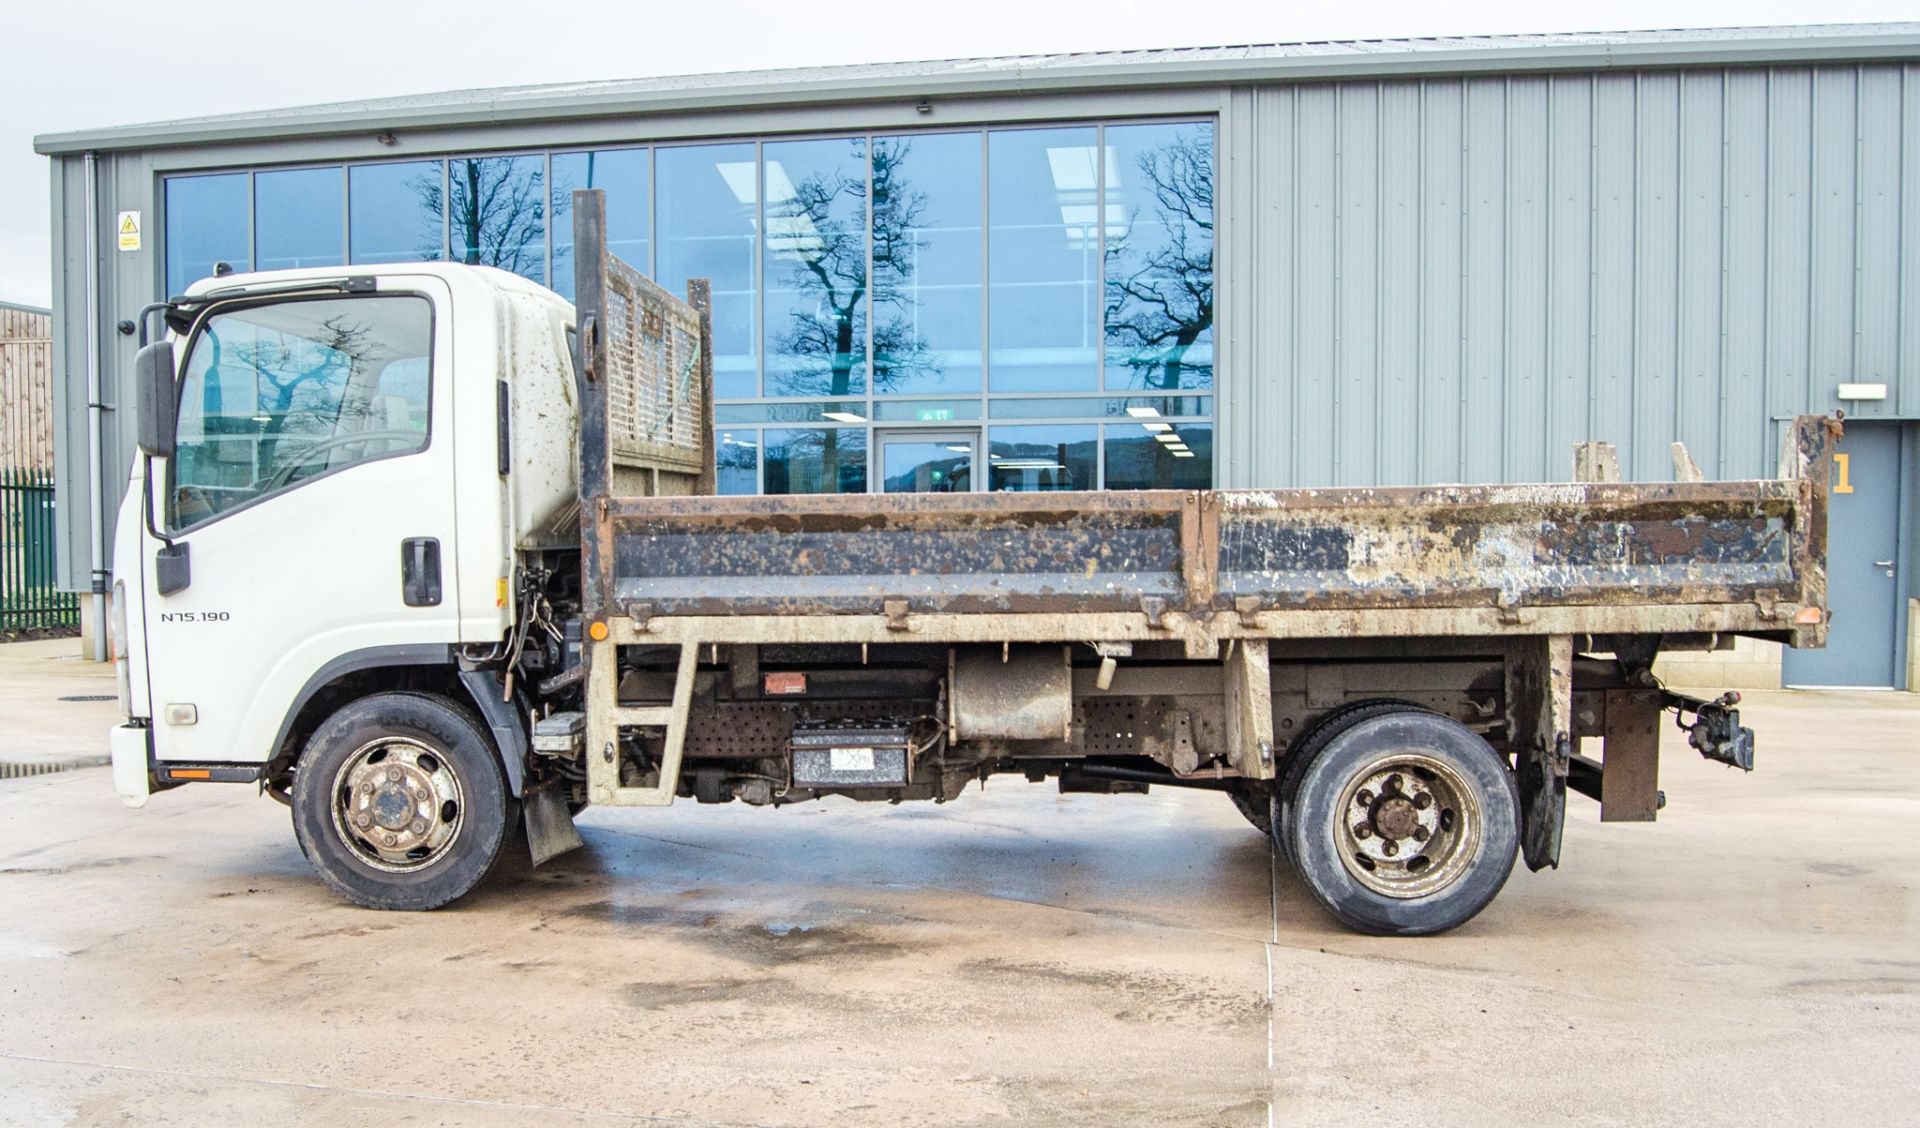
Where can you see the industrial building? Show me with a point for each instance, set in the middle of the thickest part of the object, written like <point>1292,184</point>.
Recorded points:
<point>1388,262</point>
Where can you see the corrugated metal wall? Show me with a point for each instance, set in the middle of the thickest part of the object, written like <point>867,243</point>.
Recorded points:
<point>1455,280</point>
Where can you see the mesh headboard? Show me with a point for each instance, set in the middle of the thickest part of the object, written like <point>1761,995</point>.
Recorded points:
<point>646,395</point>
<point>653,374</point>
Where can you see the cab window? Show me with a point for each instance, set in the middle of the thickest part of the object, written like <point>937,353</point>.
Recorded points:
<point>277,394</point>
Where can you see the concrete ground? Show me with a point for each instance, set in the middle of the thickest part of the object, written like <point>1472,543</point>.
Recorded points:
<point>37,727</point>
<point>1754,957</point>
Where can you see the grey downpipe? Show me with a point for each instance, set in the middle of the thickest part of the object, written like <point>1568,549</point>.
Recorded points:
<point>96,479</point>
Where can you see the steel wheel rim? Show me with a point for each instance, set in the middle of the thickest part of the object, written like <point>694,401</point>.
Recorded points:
<point>397,804</point>
<point>1408,825</point>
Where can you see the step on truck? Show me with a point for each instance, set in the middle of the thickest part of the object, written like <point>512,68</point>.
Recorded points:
<point>428,554</point>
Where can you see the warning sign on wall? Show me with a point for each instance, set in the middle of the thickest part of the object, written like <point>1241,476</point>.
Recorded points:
<point>129,227</point>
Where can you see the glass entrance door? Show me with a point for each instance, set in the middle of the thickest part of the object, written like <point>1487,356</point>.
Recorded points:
<point>929,461</point>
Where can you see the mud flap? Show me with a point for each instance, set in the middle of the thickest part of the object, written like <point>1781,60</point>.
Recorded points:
<point>1539,733</point>
<point>1543,804</point>
<point>550,829</point>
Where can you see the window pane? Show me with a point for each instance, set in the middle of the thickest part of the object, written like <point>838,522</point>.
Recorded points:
<point>1081,407</point>
<point>624,175</point>
<point>279,393</point>
<point>1137,460</point>
<point>1043,458</point>
<point>816,460</point>
<point>206,223</point>
<point>705,222</point>
<point>1159,239</point>
<point>816,267</point>
<point>926,263</point>
<point>736,460</point>
<point>394,213</point>
<point>498,213</point>
<point>927,463</point>
<point>1044,257</point>
<point>298,218</point>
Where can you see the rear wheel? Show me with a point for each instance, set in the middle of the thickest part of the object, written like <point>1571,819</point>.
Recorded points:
<point>1403,823</point>
<point>1324,728</point>
<point>400,803</point>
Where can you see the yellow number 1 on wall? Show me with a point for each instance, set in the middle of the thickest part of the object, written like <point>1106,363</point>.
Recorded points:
<point>1841,482</point>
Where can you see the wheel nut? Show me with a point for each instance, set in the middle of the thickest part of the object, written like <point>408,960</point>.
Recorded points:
<point>1363,831</point>
<point>1420,833</point>
<point>363,821</point>
<point>421,794</point>
<point>1423,801</point>
<point>393,775</point>
<point>366,788</point>
<point>1365,798</point>
<point>417,828</point>
<point>1389,848</point>
<point>1393,782</point>
<point>391,839</point>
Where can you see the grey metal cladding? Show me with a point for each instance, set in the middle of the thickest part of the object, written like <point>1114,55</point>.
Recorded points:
<point>1454,279</point>
<point>1027,75</point>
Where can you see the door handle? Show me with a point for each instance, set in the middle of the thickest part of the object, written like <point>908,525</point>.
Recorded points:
<point>1883,563</point>
<point>420,571</point>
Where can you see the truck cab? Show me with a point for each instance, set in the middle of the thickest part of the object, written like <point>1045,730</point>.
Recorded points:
<point>336,509</point>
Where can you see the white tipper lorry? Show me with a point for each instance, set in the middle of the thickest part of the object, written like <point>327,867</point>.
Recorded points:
<point>425,551</point>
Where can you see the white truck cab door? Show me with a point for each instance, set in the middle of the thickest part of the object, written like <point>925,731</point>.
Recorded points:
<point>312,485</point>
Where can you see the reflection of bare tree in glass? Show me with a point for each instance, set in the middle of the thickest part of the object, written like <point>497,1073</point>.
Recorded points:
<point>792,452</point>
<point>497,212</point>
<point>287,366</point>
<point>1160,298</point>
<point>826,255</point>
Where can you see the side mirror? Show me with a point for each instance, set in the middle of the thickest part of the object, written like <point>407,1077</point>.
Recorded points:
<point>157,401</point>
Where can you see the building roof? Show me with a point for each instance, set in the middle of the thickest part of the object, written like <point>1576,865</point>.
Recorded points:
<point>1080,71</point>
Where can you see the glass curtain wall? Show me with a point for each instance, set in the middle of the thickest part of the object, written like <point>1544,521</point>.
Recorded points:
<point>1047,288</point>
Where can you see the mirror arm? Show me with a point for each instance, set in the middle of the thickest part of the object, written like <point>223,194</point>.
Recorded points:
<point>146,316</point>
<point>146,501</point>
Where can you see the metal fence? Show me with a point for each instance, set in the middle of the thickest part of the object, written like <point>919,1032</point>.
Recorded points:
<point>29,572</point>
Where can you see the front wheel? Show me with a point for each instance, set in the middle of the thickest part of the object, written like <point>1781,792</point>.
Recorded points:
<point>1404,824</point>
<point>399,802</point>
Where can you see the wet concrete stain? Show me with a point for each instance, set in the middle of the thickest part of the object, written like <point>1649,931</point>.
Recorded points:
<point>72,867</point>
<point>765,944</point>
<point>1839,869</point>
<point>1133,996</point>
<point>663,996</point>
<point>1871,985</point>
<point>347,930</point>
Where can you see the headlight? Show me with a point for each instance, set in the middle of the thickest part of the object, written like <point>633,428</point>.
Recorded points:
<point>117,646</point>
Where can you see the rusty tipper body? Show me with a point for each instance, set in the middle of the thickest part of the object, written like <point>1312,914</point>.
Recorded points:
<point>1393,683</point>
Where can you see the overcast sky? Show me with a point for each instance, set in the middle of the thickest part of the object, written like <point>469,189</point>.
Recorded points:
<point>83,64</point>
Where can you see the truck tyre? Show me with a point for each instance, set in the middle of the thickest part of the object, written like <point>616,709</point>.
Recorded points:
<point>1324,728</point>
<point>400,803</point>
<point>1256,803</point>
<point>1404,823</point>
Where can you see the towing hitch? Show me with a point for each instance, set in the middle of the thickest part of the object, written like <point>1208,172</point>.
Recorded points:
<point>1715,731</point>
